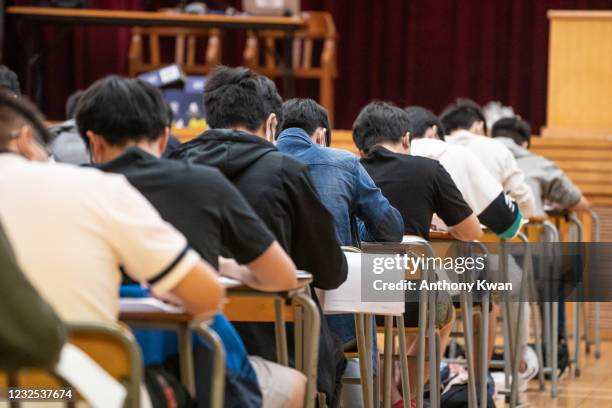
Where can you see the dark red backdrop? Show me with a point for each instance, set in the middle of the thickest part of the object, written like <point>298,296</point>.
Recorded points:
<point>410,52</point>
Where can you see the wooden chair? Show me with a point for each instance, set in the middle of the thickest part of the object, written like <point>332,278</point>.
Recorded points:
<point>112,347</point>
<point>185,49</point>
<point>262,49</point>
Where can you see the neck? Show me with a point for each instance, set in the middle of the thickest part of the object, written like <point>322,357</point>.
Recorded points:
<point>395,147</point>
<point>259,132</point>
<point>112,152</point>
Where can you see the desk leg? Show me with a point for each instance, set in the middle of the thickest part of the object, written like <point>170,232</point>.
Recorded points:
<point>311,333</point>
<point>186,359</point>
<point>363,360</point>
<point>217,394</point>
<point>288,74</point>
<point>282,355</point>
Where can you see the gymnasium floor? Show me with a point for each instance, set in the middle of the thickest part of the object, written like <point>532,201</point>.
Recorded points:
<point>592,389</point>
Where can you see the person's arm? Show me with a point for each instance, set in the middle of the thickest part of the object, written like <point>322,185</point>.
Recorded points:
<point>496,210</point>
<point>382,221</point>
<point>272,271</point>
<point>515,185</point>
<point>26,319</point>
<point>151,251</point>
<point>314,246</point>
<point>452,208</point>
<point>557,188</point>
<point>582,205</point>
<point>250,243</point>
<point>466,230</point>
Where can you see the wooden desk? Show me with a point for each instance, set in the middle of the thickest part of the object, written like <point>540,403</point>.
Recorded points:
<point>71,17</point>
<point>246,304</point>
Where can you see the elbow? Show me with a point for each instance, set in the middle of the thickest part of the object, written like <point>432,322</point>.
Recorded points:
<point>211,303</point>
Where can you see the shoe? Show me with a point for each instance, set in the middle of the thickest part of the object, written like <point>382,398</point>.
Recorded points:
<point>532,367</point>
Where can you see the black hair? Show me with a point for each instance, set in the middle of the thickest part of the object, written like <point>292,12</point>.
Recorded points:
<point>514,128</point>
<point>462,115</point>
<point>121,109</point>
<point>305,114</point>
<point>422,119</point>
<point>9,80</point>
<point>240,97</point>
<point>379,122</point>
<point>17,111</point>
<point>72,103</point>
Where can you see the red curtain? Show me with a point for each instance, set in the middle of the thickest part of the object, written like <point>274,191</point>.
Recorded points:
<point>407,51</point>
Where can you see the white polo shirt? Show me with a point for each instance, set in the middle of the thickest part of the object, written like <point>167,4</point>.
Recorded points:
<point>501,164</point>
<point>72,228</point>
<point>477,186</point>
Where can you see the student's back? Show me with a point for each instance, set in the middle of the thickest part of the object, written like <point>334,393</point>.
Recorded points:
<point>184,192</point>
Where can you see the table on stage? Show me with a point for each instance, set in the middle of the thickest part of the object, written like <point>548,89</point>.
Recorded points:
<point>71,17</point>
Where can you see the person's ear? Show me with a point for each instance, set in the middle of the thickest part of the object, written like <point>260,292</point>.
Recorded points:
<point>478,128</point>
<point>525,144</point>
<point>27,145</point>
<point>362,153</point>
<point>97,146</point>
<point>162,143</point>
<point>270,127</point>
<point>431,132</point>
<point>319,137</point>
<point>406,142</point>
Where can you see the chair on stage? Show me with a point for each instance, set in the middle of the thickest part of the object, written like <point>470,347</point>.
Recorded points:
<point>263,48</point>
<point>197,51</point>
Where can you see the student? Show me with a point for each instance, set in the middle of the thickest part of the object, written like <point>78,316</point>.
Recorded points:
<point>242,109</point>
<point>549,183</point>
<point>25,319</point>
<point>418,187</point>
<point>480,190</point>
<point>128,137</point>
<point>465,125</point>
<point>381,132</point>
<point>73,228</point>
<point>344,186</point>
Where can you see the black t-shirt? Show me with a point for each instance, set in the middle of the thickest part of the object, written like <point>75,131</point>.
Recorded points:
<point>200,202</point>
<point>418,187</point>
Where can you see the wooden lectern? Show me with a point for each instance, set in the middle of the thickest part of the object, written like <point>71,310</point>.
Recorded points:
<point>579,74</point>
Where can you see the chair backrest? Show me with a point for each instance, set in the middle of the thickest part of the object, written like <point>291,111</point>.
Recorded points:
<point>261,48</point>
<point>111,347</point>
<point>186,50</point>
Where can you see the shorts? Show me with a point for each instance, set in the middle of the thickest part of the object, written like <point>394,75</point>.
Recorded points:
<point>444,312</point>
<point>276,382</point>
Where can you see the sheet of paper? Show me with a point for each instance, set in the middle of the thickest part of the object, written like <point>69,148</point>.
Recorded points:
<point>347,298</point>
<point>95,385</point>
<point>148,304</point>
<point>229,282</point>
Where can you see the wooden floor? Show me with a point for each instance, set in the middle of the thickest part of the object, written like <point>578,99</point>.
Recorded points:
<point>592,389</point>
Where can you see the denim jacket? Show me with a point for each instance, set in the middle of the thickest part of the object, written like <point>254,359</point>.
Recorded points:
<point>345,188</point>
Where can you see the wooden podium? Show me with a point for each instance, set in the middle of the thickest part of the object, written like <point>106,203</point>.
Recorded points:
<point>579,74</point>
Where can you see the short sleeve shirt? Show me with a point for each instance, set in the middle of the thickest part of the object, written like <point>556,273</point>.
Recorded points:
<point>72,230</point>
<point>418,187</point>
<point>200,202</point>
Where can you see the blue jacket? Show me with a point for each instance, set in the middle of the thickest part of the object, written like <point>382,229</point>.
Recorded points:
<point>345,188</point>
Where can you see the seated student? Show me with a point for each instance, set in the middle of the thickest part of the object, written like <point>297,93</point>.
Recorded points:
<point>418,187</point>
<point>242,109</point>
<point>344,186</point>
<point>480,190</point>
<point>25,319</point>
<point>127,137</point>
<point>549,183</point>
<point>465,125</point>
<point>72,230</point>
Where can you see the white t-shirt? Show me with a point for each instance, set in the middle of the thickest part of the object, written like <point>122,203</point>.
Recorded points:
<point>477,186</point>
<point>72,228</point>
<point>501,164</point>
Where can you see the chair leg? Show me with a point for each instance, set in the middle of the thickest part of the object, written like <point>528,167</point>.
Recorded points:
<point>403,357</point>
